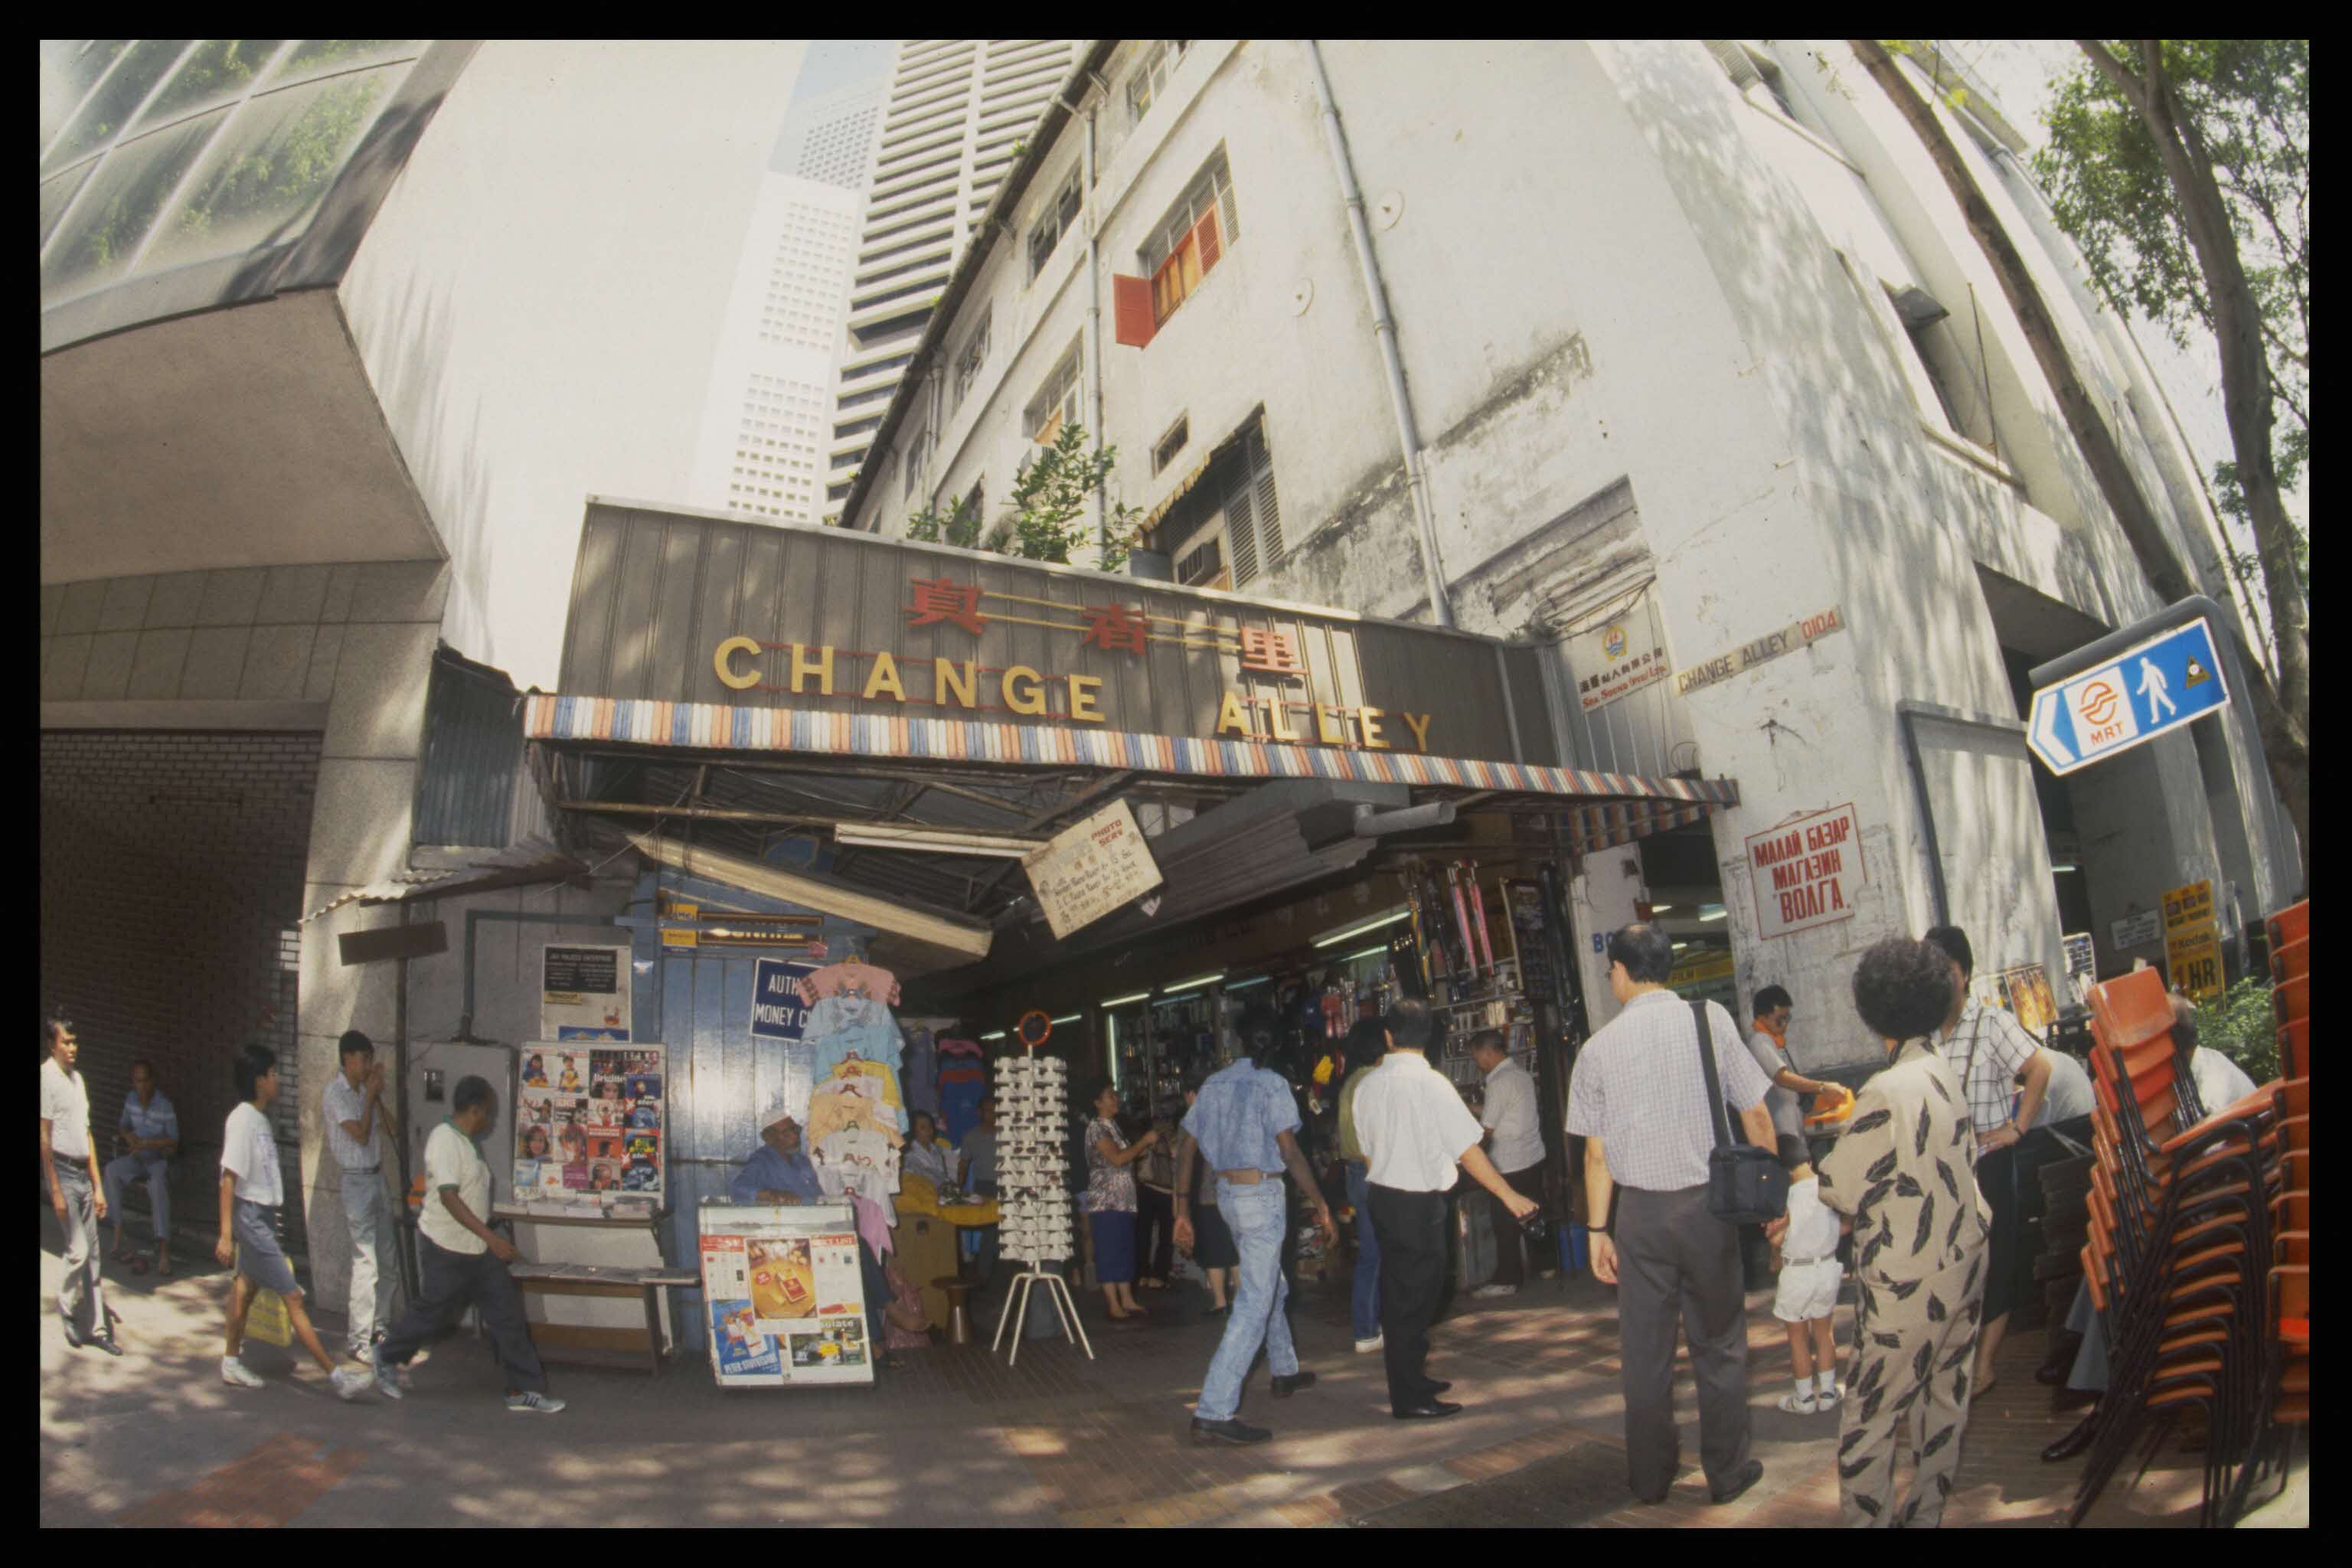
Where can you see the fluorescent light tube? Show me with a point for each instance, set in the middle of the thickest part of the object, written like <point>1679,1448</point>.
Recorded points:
<point>1123,1001</point>
<point>1339,936</point>
<point>1367,953</point>
<point>1719,913</point>
<point>1254,980</point>
<point>1195,983</point>
<point>1070,1018</point>
<point>995,1034</point>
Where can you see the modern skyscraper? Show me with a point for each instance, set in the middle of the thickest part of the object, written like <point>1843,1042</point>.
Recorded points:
<point>959,110</point>
<point>769,407</point>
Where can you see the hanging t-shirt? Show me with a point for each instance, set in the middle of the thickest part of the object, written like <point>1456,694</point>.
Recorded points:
<point>859,1160</point>
<point>961,1089</point>
<point>841,1104</point>
<point>873,1080</point>
<point>850,975</point>
<point>842,1026</point>
<point>919,1074</point>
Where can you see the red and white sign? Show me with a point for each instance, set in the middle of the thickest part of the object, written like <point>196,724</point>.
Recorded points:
<point>1806,872</point>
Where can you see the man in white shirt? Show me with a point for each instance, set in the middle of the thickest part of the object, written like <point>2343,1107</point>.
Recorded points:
<point>464,1260</point>
<point>1414,1129</point>
<point>252,1189</point>
<point>1639,1099</point>
<point>1514,1141</point>
<point>79,1205</point>
<point>359,1127</point>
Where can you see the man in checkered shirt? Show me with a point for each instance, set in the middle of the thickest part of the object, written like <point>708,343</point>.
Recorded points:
<point>1638,1098</point>
<point>1991,1053</point>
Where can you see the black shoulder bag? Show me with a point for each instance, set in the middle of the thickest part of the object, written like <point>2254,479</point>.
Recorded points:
<point>1745,1184</point>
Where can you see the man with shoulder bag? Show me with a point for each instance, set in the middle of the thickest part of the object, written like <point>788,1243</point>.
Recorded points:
<point>1667,1188</point>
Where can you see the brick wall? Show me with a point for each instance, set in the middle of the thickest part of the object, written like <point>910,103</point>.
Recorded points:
<point>172,868</point>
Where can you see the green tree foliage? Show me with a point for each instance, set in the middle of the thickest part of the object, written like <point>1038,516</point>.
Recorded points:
<point>2249,100</point>
<point>1046,516</point>
<point>2239,1024</point>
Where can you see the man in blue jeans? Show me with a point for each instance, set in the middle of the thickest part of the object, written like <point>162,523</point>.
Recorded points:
<point>1366,1043</point>
<point>1245,1123</point>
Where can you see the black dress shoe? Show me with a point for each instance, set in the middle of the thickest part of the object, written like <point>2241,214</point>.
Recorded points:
<point>1753,1472</point>
<point>2074,1442</point>
<point>1235,1432</point>
<point>1428,1410</point>
<point>1650,1501</point>
<point>1284,1387</point>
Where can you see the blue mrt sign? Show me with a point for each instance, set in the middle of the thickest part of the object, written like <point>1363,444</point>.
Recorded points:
<point>2146,691</point>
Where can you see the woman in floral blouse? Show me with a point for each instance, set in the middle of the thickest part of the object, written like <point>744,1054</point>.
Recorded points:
<point>1905,1170</point>
<point>1111,1204</point>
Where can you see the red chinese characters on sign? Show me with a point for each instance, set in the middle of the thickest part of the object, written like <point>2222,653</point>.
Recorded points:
<point>938,600</point>
<point>1273,651</point>
<point>1114,627</point>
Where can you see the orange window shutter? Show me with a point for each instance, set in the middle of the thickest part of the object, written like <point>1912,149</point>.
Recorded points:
<point>1132,322</point>
<point>1212,247</point>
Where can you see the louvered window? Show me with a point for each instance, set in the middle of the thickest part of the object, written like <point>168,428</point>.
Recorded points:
<point>1253,513</point>
<point>1184,247</point>
<point>1230,519</point>
<point>1057,404</point>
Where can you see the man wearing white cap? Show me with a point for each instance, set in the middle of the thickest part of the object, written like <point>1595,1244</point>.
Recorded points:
<point>777,1172</point>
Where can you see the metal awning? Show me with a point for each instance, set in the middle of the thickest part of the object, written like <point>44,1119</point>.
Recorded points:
<point>531,861</point>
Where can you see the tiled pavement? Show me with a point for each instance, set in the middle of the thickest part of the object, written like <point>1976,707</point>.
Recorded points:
<point>961,1438</point>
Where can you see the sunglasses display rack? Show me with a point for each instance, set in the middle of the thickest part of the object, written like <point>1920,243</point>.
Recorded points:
<point>1033,1189</point>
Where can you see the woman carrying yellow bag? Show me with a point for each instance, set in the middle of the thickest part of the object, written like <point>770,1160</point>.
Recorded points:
<point>251,1189</point>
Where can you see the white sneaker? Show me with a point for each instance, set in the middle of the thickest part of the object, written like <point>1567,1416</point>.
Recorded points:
<point>533,1403</point>
<point>236,1374</point>
<point>351,1381</point>
<point>1797,1403</point>
<point>1489,1292</point>
<point>1827,1399</point>
<point>1366,1347</point>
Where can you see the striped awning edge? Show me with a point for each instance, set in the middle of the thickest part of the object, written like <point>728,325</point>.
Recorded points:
<point>710,726</point>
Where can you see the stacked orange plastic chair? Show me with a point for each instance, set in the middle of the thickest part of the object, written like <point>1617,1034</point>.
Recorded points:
<point>2179,1256</point>
<point>2287,1405</point>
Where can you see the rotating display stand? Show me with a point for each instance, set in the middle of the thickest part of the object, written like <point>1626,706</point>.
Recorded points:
<point>1035,1201</point>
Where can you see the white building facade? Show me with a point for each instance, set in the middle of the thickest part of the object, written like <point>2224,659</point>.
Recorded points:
<point>958,119</point>
<point>1698,351</point>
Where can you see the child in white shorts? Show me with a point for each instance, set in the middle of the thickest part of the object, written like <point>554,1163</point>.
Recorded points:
<point>1809,1273</point>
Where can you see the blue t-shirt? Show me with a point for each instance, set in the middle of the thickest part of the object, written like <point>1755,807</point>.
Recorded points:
<point>842,1026</point>
<point>1240,1109</point>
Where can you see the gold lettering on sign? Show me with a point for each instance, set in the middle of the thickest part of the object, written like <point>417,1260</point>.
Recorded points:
<point>946,682</point>
<point>1370,718</point>
<point>884,681</point>
<point>1082,699</point>
<point>1330,729</point>
<point>1419,724</point>
<point>1277,720</point>
<point>1232,716</point>
<point>821,667</point>
<point>1024,691</point>
<point>728,676</point>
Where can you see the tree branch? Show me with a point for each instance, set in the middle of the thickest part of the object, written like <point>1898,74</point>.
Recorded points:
<point>2115,71</point>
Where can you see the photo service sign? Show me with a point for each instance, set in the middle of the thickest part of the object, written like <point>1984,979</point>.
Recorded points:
<point>1806,872</point>
<point>583,992</point>
<point>1090,870</point>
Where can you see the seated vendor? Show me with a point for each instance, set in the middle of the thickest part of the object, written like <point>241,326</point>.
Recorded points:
<point>778,1170</point>
<point>926,1155</point>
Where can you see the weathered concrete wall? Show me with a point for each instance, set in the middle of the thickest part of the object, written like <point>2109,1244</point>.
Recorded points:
<point>1607,268</point>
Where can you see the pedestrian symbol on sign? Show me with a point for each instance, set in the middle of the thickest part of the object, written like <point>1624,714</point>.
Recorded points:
<point>2151,686</point>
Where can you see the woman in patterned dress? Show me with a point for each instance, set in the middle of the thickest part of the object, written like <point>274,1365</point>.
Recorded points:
<point>1905,1170</point>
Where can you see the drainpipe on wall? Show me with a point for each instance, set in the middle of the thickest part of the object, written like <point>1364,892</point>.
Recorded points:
<point>1094,326</point>
<point>1384,333</point>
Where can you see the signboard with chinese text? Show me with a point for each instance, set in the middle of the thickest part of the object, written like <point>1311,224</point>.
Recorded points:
<point>1806,871</point>
<point>820,622</point>
<point>2193,947</point>
<point>1090,870</point>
